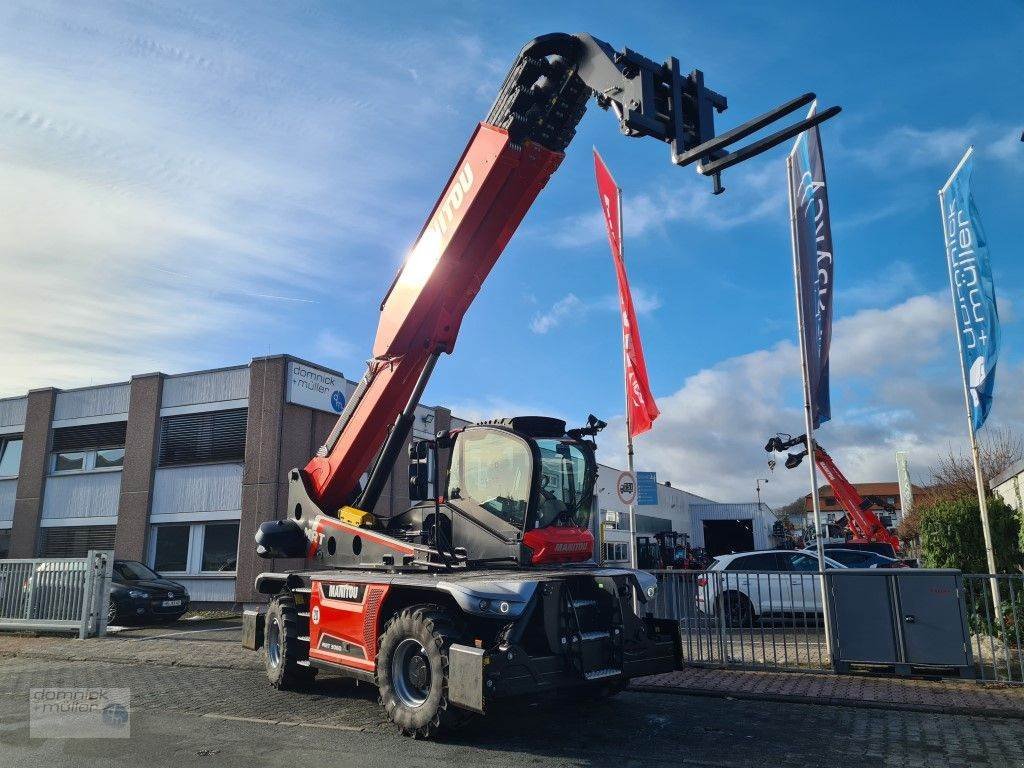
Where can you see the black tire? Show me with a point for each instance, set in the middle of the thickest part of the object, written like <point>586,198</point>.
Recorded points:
<point>282,649</point>
<point>737,609</point>
<point>412,671</point>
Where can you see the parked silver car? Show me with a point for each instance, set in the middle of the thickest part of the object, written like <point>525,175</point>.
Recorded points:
<point>744,587</point>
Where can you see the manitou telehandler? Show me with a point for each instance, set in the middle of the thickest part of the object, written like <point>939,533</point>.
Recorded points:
<point>489,589</point>
<point>866,530</point>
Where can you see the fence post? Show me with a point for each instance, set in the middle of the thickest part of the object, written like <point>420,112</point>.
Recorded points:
<point>88,586</point>
<point>31,591</point>
<point>103,597</point>
<point>720,599</point>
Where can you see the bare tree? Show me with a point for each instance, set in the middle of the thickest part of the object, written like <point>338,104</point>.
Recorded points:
<point>998,449</point>
<point>793,508</point>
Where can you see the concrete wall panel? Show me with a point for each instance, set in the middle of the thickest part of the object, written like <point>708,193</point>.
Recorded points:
<point>92,494</point>
<point>108,400</point>
<point>207,488</point>
<point>12,412</point>
<point>206,387</point>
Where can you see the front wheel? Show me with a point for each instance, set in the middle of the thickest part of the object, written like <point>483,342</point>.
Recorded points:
<point>412,671</point>
<point>284,651</point>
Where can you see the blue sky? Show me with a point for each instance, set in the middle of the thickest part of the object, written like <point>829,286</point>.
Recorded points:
<point>191,187</point>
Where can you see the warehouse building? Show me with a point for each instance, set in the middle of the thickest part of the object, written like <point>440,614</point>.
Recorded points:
<point>666,509</point>
<point>725,528</point>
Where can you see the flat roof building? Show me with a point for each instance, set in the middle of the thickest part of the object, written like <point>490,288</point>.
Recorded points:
<point>173,470</point>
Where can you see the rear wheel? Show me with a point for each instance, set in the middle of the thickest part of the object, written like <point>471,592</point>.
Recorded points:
<point>283,648</point>
<point>737,609</point>
<point>412,671</point>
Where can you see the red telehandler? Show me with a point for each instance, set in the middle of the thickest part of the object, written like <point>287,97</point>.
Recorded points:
<point>864,525</point>
<point>487,587</point>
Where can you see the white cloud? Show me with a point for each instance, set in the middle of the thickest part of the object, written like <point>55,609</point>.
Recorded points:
<point>567,306</point>
<point>338,351</point>
<point>176,182</point>
<point>754,194</point>
<point>895,281</point>
<point>894,387</point>
<point>494,407</point>
<point>571,308</point>
<point>908,147</point>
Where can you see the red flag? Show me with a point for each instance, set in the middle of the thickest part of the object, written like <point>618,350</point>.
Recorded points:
<point>641,408</point>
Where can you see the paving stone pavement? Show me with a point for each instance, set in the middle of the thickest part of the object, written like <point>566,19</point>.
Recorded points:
<point>949,695</point>
<point>181,712</point>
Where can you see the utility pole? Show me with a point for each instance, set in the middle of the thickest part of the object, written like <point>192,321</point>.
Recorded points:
<point>757,484</point>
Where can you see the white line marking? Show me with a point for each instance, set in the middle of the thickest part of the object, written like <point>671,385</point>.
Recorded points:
<point>183,632</point>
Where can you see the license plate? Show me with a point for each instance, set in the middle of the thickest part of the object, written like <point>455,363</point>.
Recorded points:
<point>170,603</point>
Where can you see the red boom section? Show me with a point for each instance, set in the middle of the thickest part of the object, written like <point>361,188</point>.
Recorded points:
<point>864,523</point>
<point>492,187</point>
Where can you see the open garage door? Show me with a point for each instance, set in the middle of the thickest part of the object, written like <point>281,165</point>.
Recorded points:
<point>722,537</point>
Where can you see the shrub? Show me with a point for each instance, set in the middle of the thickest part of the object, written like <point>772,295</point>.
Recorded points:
<point>951,535</point>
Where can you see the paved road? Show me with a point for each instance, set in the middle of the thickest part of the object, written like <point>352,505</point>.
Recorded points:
<point>179,718</point>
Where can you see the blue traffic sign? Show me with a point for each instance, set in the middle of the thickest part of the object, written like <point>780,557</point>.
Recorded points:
<point>647,488</point>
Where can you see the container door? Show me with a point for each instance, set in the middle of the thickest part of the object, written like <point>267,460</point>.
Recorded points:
<point>931,615</point>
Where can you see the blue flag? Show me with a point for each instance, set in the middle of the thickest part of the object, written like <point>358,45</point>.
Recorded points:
<point>812,243</point>
<point>974,293</point>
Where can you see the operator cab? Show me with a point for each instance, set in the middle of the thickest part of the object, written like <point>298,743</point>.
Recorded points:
<point>517,490</point>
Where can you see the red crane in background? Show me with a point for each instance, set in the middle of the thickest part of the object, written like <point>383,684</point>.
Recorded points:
<point>864,524</point>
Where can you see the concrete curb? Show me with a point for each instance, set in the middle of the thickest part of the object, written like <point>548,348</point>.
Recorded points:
<point>897,706</point>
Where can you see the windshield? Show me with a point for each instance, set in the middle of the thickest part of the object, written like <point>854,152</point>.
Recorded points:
<point>565,485</point>
<point>492,469</point>
<point>133,571</point>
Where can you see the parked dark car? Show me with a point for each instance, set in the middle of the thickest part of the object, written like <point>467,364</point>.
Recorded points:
<point>878,547</point>
<point>860,558</point>
<point>140,594</point>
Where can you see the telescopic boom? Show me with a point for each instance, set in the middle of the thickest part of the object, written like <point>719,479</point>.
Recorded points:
<point>507,162</point>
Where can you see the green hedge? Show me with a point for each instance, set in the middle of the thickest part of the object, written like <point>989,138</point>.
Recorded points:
<point>951,535</point>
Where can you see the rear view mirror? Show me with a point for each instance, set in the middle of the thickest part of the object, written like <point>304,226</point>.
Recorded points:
<point>419,470</point>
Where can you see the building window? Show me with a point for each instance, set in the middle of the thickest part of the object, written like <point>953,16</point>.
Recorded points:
<point>195,548</point>
<point>220,547</point>
<point>74,541</point>
<point>88,447</point>
<point>171,547</point>
<point>10,455</point>
<point>5,543</point>
<point>203,438</point>
<point>615,551</point>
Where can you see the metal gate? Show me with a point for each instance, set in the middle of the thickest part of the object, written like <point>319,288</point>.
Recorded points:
<point>773,620</point>
<point>746,619</point>
<point>57,594</point>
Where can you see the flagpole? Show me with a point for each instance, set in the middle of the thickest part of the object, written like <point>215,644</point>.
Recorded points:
<point>979,480</point>
<point>808,414</point>
<point>633,560</point>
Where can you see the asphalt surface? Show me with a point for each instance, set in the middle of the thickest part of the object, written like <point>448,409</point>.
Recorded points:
<point>188,715</point>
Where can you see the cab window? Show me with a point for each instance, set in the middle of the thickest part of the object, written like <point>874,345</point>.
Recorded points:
<point>492,469</point>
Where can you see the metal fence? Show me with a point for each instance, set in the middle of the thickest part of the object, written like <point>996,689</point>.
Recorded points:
<point>748,619</point>
<point>773,620</point>
<point>997,640</point>
<point>56,594</point>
